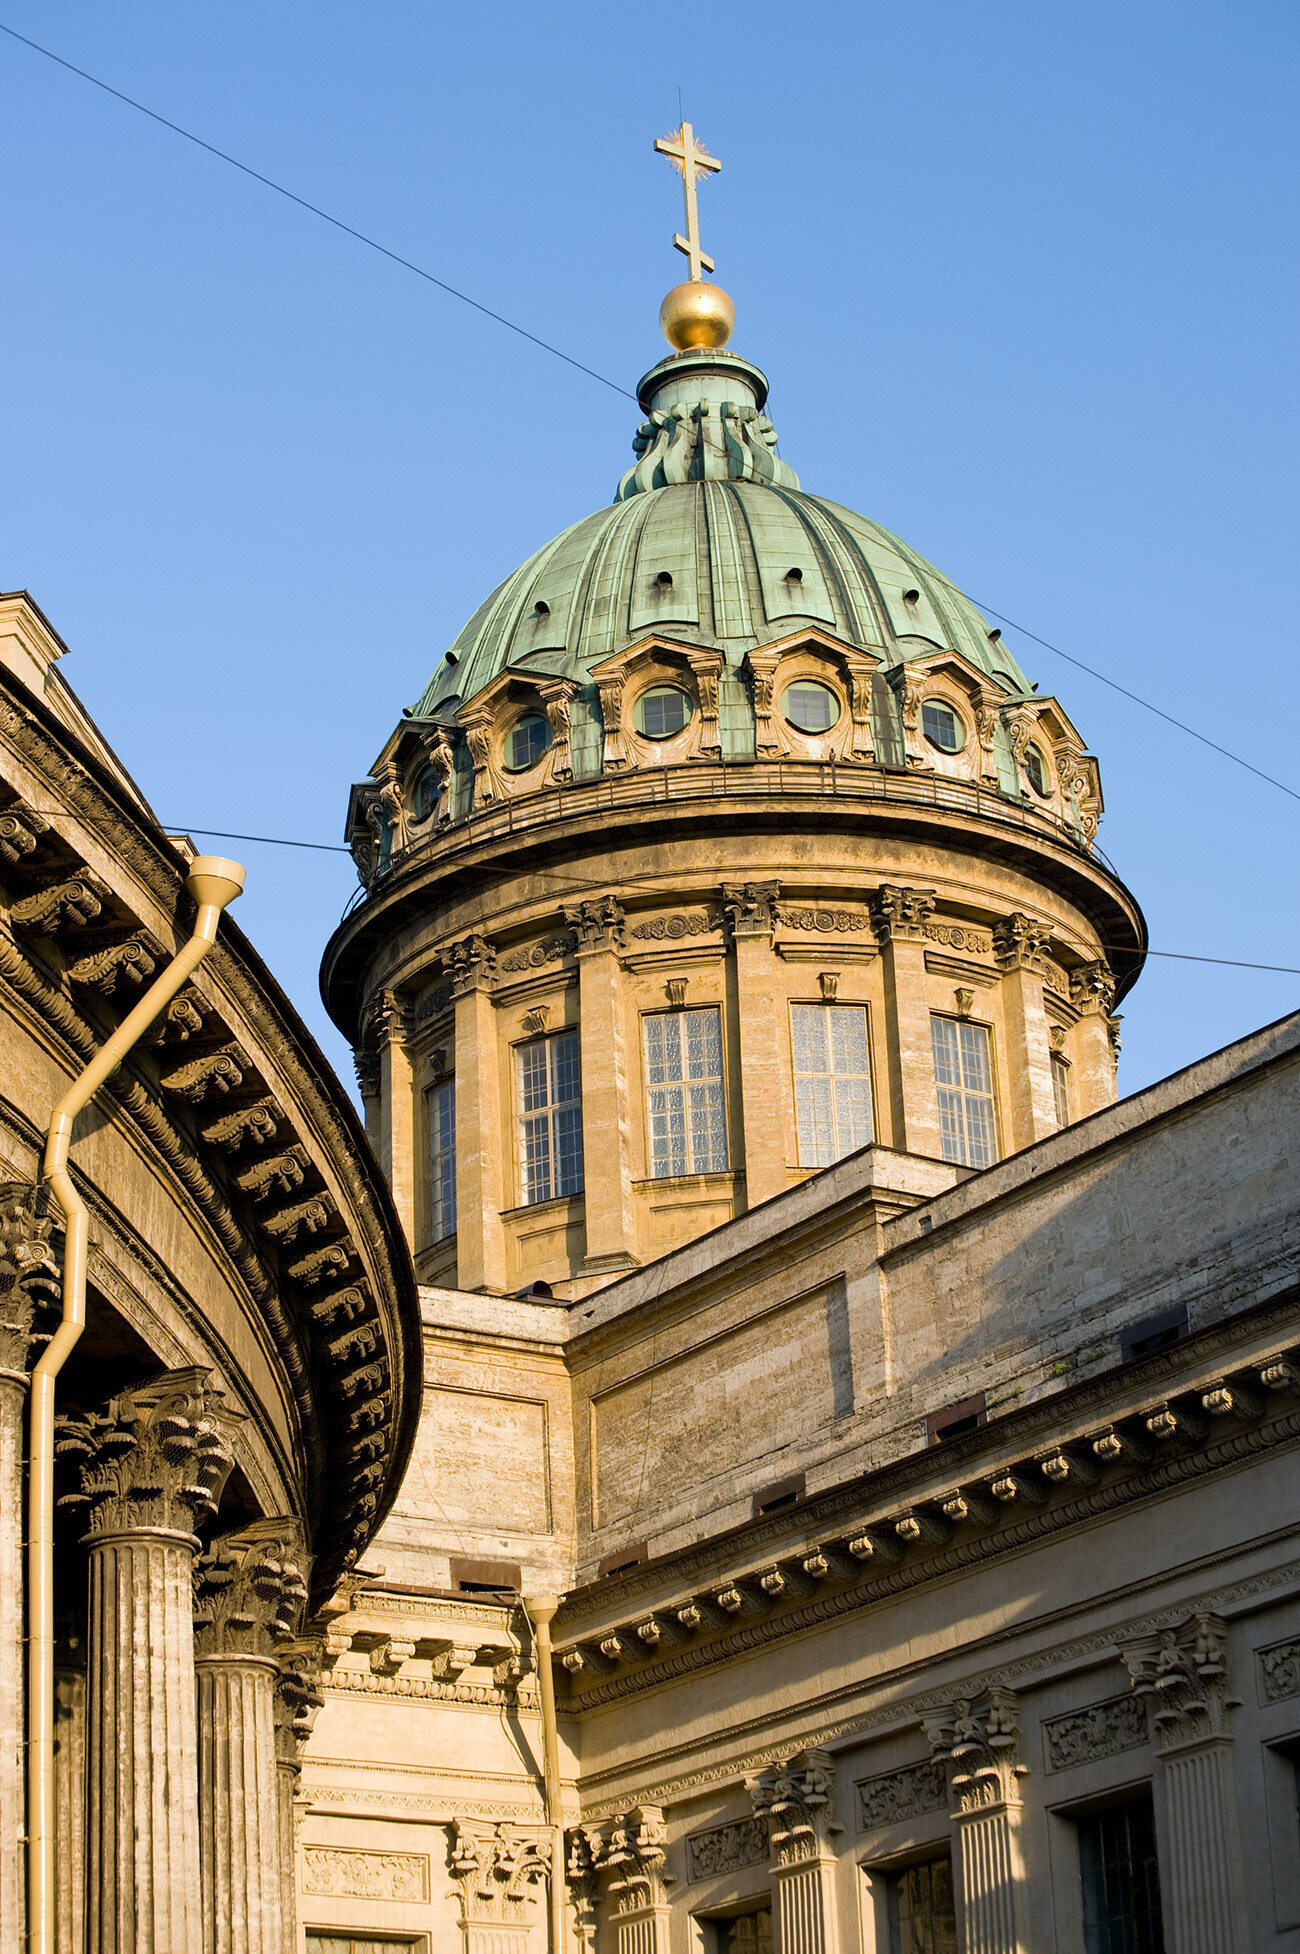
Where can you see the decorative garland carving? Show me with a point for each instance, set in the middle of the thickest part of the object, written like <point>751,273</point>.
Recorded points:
<point>691,923</point>
<point>1102,1730</point>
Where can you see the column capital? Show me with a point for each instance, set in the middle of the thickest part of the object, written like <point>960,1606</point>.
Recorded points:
<point>900,912</point>
<point>749,908</point>
<point>250,1590</point>
<point>796,1798</point>
<point>631,1857</point>
<point>1092,987</point>
<point>1181,1674</point>
<point>30,1285</point>
<point>471,963</point>
<point>155,1459</point>
<point>1019,943</point>
<point>980,1739</point>
<point>597,923</point>
<point>498,1870</point>
<point>298,1698</point>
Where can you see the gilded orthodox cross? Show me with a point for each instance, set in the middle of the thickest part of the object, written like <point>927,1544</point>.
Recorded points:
<point>688,159</point>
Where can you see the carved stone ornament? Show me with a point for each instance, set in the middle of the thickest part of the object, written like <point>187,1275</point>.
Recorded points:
<point>597,924</point>
<point>698,922</point>
<point>727,1848</point>
<point>154,1460</point>
<point>471,962</point>
<point>898,1795</point>
<point>121,964</point>
<point>249,1126</point>
<point>531,956</point>
<point>21,829</point>
<point>827,922</point>
<point>979,1739</point>
<point>1019,943</point>
<point>497,1872</point>
<point>68,905</point>
<point>298,1698</point>
<point>750,907</point>
<point>250,1590</point>
<point>796,1798</point>
<point>214,1072</point>
<point>958,936</point>
<point>1092,987</point>
<point>632,1860</point>
<point>349,1872</point>
<point>30,1287</point>
<point>1279,1671</point>
<point>1102,1730</point>
<point>901,912</point>
<point>277,1173</point>
<point>1181,1676</point>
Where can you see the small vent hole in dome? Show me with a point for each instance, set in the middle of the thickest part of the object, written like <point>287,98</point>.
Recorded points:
<point>665,579</point>
<point>911,596</point>
<point>795,575</point>
<point>541,608</point>
<point>995,634</point>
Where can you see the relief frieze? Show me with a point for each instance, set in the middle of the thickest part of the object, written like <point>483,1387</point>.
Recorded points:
<point>1279,1672</point>
<point>531,956</point>
<point>897,1795</point>
<point>958,936</point>
<point>727,1848</point>
<point>689,923</point>
<point>331,1871</point>
<point>1102,1730</point>
<point>827,921</point>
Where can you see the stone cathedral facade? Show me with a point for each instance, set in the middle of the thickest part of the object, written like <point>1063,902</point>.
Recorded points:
<point>908,1428</point>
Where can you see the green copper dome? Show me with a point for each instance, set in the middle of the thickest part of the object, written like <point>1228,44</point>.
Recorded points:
<point>711,541</point>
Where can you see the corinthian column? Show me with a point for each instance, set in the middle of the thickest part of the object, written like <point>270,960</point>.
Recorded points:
<point>297,1699</point>
<point>249,1595</point>
<point>29,1295</point>
<point>899,917</point>
<point>606,1098</point>
<point>980,1739</point>
<point>152,1468</point>
<point>796,1799</point>
<point>750,910</point>
<point>631,1860</point>
<point>1092,992</point>
<point>1181,1676</point>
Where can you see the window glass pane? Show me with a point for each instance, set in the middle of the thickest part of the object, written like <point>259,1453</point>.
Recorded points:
<point>550,1117</point>
<point>664,710</point>
<point>1061,1089</point>
<point>813,708</point>
<point>832,1081</point>
<point>922,1914</point>
<point>1121,1886</point>
<point>528,741</point>
<point>942,727</point>
<point>686,1113</point>
<point>963,1072</point>
<point>442,1160</point>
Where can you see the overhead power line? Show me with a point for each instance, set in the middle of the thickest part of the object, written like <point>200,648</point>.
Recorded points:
<point>315,209</point>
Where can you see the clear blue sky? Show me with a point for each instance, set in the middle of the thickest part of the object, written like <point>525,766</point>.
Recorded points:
<point>1023,277</point>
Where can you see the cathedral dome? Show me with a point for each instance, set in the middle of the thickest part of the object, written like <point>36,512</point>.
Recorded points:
<point>711,541</point>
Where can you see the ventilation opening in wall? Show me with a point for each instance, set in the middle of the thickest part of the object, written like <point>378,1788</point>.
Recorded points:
<point>775,1499</point>
<point>941,1427</point>
<point>1155,1334</point>
<point>624,1560</point>
<point>485,1577</point>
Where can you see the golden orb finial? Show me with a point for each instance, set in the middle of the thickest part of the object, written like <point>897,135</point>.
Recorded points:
<point>697,314</point>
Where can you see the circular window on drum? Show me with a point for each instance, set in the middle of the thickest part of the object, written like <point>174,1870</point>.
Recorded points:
<point>810,706</point>
<point>526,742</point>
<point>662,711</point>
<point>1036,771</point>
<point>942,726</point>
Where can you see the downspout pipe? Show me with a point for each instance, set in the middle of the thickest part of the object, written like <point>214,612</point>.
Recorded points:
<point>540,1609</point>
<point>212,882</point>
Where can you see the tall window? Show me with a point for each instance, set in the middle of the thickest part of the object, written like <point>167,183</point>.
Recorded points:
<point>832,1081</point>
<point>745,1933</point>
<point>1121,1887</point>
<point>687,1117</point>
<point>550,1117</point>
<point>442,1160</point>
<point>1061,1088</point>
<point>922,1916</point>
<point>963,1071</point>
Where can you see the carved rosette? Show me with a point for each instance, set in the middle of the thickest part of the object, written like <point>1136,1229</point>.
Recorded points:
<point>749,908</point>
<point>250,1590</point>
<point>796,1798</point>
<point>154,1460</point>
<point>979,1738</point>
<point>597,924</point>
<point>1019,943</point>
<point>900,914</point>
<point>1181,1675</point>
<point>30,1286</point>
<point>471,963</point>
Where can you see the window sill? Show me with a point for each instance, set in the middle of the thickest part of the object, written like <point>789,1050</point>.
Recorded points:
<point>685,1182</point>
<point>556,1202</point>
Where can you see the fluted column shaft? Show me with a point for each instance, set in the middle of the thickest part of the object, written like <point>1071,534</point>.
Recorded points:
<point>803,1908</point>
<point>990,1878</point>
<point>142,1747</point>
<point>70,1810</point>
<point>1201,1864</point>
<point>238,1805</point>
<point>13,1825</point>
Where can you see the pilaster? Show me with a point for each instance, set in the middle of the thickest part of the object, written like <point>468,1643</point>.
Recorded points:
<point>1181,1676</point>
<point>606,1087</point>
<point>980,1741</point>
<point>899,916</point>
<point>500,1874</point>
<point>632,1861</point>
<point>29,1298</point>
<point>152,1466</point>
<point>1019,946</point>
<point>796,1798</point>
<point>750,912</point>
<point>480,1237</point>
<point>389,1028</point>
<point>248,1596</point>
<point>1092,992</point>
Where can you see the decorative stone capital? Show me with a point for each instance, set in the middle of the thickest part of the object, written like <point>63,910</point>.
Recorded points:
<point>597,924</point>
<point>1019,943</point>
<point>498,1871</point>
<point>1092,987</point>
<point>796,1799</point>
<point>1181,1674</point>
<point>366,1065</point>
<point>470,963</point>
<point>30,1286</point>
<point>632,1859</point>
<point>749,908</point>
<point>900,913</point>
<point>154,1460</point>
<point>249,1590</point>
<point>297,1699</point>
<point>979,1737</point>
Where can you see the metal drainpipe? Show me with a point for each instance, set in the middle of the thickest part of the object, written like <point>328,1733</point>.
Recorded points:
<point>540,1608</point>
<point>213,882</point>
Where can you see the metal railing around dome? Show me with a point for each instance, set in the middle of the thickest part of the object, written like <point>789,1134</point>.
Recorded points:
<point>806,780</point>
